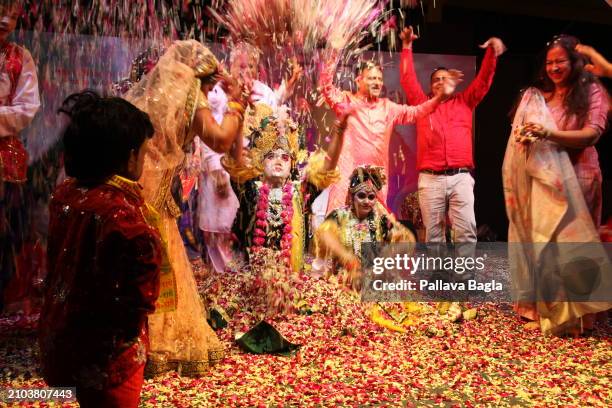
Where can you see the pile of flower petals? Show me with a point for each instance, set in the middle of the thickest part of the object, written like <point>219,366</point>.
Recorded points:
<point>347,360</point>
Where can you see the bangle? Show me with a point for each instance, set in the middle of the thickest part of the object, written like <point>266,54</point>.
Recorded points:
<point>235,113</point>
<point>236,106</point>
<point>340,125</point>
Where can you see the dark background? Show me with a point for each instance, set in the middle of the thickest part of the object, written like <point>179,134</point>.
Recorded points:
<point>457,27</point>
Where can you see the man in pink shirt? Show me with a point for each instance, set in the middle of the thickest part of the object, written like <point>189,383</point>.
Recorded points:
<point>369,126</point>
<point>444,142</point>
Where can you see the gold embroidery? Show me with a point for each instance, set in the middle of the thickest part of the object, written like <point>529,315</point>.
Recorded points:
<point>124,184</point>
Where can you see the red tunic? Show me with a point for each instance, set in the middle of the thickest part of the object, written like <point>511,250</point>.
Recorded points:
<point>13,155</point>
<point>444,137</point>
<point>103,280</point>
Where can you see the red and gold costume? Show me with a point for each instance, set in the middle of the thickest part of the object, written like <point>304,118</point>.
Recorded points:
<point>19,102</point>
<point>104,259</point>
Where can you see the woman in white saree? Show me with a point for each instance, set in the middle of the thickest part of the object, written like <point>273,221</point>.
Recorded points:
<point>552,187</point>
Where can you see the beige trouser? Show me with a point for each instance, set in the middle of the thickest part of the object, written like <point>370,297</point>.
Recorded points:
<point>439,192</point>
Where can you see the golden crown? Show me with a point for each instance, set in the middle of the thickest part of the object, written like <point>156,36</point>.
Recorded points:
<point>269,129</point>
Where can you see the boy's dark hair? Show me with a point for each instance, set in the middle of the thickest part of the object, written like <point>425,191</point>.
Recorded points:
<point>101,134</point>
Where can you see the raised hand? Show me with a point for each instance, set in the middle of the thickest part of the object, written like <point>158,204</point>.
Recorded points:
<point>599,65</point>
<point>454,78</point>
<point>296,73</point>
<point>407,36</point>
<point>498,46</point>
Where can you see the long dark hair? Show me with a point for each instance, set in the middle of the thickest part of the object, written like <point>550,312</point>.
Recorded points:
<point>579,81</point>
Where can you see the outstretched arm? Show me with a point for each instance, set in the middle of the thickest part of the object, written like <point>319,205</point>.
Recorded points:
<point>332,95</point>
<point>575,139</point>
<point>408,78</point>
<point>404,114</point>
<point>479,87</point>
<point>287,87</point>
<point>335,146</point>
<point>217,137</point>
<point>220,137</point>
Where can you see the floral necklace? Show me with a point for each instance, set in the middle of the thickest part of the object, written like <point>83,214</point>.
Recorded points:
<point>359,232</point>
<point>273,215</point>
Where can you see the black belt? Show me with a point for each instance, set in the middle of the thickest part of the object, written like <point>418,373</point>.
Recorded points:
<point>447,172</point>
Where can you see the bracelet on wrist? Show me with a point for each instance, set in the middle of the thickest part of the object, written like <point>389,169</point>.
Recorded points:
<point>340,125</point>
<point>234,112</point>
<point>236,106</point>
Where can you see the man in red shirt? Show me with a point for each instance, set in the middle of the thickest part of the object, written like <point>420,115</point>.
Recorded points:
<point>444,142</point>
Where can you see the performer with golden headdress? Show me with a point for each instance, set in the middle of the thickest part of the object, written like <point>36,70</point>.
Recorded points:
<point>217,203</point>
<point>273,198</point>
<point>173,93</point>
<point>364,219</point>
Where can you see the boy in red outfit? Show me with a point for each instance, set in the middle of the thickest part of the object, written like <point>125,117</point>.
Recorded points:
<point>103,256</point>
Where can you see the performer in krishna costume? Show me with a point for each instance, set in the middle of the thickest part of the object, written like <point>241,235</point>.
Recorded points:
<point>217,203</point>
<point>274,199</point>
<point>364,220</point>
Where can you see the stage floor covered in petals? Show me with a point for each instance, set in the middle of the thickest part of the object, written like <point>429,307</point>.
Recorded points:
<point>346,359</point>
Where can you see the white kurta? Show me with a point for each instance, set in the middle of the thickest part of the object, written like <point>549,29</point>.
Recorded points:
<point>17,114</point>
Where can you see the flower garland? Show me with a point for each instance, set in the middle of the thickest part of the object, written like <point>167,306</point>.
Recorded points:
<point>261,222</point>
<point>358,232</point>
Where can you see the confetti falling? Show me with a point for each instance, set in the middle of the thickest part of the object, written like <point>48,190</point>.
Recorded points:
<point>305,32</point>
<point>347,360</point>
<point>307,25</point>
